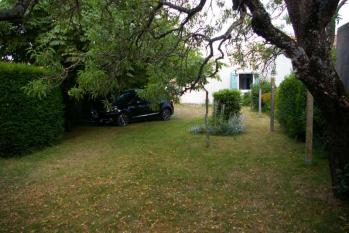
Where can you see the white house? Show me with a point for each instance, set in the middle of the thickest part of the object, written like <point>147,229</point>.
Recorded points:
<point>231,78</point>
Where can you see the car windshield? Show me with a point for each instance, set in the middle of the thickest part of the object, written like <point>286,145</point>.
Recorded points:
<point>124,98</point>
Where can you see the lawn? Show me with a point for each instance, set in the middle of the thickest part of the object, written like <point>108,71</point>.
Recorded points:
<point>157,177</point>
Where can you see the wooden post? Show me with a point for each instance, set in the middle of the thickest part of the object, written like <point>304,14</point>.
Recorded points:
<point>251,99</point>
<point>309,130</point>
<point>272,104</point>
<point>260,99</point>
<point>206,121</point>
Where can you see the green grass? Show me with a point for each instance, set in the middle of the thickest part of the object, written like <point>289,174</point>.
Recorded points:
<point>157,177</point>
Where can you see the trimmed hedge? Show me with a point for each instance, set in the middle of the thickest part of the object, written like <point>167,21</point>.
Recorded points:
<point>266,88</point>
<point>291,111</point>
<point>26,122</point>
<point>227,102</point>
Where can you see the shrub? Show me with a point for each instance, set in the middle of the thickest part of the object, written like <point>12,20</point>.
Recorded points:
<point>266,102</point>
<point>291,111</point>
<point>26,122</point>
<point>226,103</point>
<point>266,88</point>
<point>246,99</point>
<point>234,125</point>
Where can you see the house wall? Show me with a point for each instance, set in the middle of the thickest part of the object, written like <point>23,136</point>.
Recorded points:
<point>343,55</point>
<point>283,68</point>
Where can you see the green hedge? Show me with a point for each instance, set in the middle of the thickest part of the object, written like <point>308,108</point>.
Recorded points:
<point>246,99</point>
<point>291,111</point>
<point>26,122</point>
<point>266,88</point>
<point>227,102</point>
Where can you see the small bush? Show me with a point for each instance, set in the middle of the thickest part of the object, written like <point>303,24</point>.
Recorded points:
<point>234,125</point>
<point>266,102</point>
<point>266,88</point>
<point>226,103</point>
<point>291,111</point>
<point>26,122</point>
<point>246,99</point>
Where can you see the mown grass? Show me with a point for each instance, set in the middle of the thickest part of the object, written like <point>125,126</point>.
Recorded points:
<point>157,177</point>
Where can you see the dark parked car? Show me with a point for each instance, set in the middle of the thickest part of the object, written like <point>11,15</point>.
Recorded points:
<point>130,107</point>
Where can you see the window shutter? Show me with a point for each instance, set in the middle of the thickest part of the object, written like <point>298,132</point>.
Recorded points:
<point>255,78</point>
<point>234,80</point>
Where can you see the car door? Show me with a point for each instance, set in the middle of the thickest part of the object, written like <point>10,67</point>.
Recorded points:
<point>141,108</point>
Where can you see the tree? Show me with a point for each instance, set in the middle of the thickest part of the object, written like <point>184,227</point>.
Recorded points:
<point>310,52</point>
<point>109,56</point>
<point>309,49</point>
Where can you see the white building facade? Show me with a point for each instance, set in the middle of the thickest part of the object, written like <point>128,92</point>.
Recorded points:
<point>232,78</point>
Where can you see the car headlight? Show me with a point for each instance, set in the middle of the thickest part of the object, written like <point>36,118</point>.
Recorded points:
<point>115,109</point>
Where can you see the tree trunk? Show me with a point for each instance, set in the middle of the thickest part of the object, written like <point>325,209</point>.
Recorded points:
<point>338,139</point>
<point>338,135</point>
<point>330,96</point>
<point>310,52</point>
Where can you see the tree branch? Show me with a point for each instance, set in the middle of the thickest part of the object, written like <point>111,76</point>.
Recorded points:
<point>262,25</point>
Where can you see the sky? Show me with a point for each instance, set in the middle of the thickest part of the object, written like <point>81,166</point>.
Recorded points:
<point>215,12</point>
<point>344,14</point>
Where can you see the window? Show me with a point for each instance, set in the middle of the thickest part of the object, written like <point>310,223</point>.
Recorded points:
<point>245,81</point>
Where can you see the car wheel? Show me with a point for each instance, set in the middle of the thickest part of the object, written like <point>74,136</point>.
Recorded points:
<point>122,120</point>
<point>165,114</point>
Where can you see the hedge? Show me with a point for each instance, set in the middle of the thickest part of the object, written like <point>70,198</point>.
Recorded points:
<point>291,111</point>
<point>266,88</point>
<point>246,99</point>
<point>227,103</point>
<point>26,122</point>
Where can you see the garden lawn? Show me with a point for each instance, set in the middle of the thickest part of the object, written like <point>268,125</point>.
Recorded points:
<point>157,177</point>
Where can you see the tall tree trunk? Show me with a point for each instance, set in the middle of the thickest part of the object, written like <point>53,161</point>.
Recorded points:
<point>321,79</point>
<point>338,134</point>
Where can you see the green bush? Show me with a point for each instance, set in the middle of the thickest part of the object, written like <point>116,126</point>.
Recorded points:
<point>233,126</point>
<point>291,111</point>
<point>226,103</point>
<point>246,99</point>
<point>26,122</point>
<point>266,88</point>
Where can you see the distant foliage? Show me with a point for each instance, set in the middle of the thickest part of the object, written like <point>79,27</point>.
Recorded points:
<point>218,126</point>
<point>26,122</point>
<point>266,88</point>
<point>227,103</point>
<point>246,99</point>
<point>291,111</point>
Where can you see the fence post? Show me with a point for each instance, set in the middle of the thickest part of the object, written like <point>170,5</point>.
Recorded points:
<point>260,99</point>
<point>309,129</point>
<point>272,104</point>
